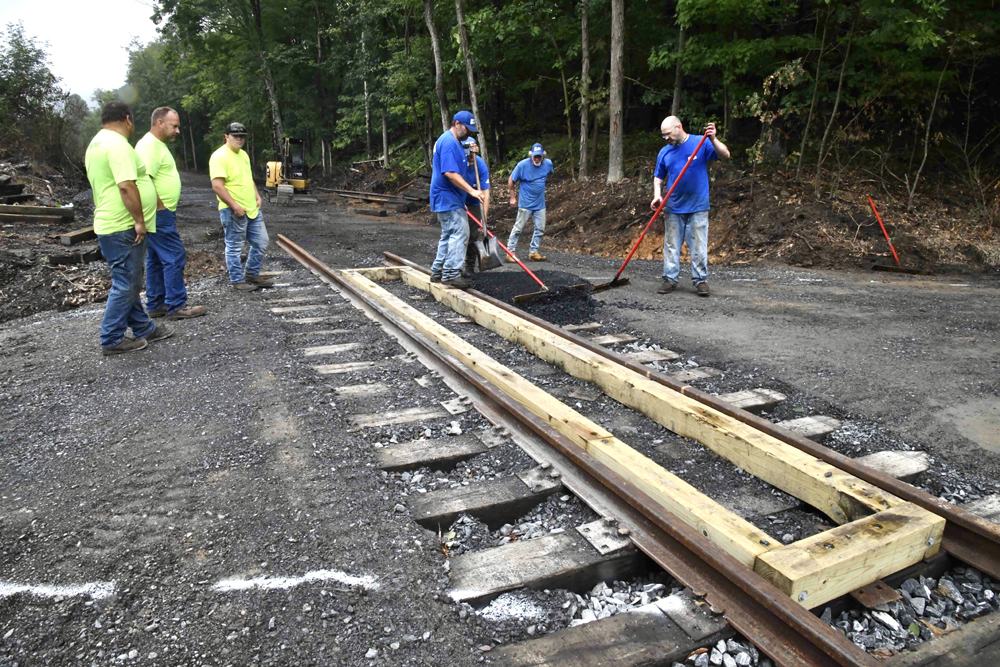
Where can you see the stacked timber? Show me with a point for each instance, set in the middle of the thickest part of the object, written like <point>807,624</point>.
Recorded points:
<point>419,191</point>
<point>11,192</point>
<point>41,214</point>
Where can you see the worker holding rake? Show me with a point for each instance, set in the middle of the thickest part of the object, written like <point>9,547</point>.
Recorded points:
<point>478,177</point>
<point>686,218</point>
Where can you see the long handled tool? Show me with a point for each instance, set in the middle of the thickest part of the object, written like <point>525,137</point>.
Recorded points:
<point>615,282</point>
<point>899,268</point>
<point>509,253</point>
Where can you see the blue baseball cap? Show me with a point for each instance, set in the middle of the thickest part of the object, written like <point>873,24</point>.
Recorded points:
<point>468,142</point>
<point>536,150</point>
<point>467,119</point>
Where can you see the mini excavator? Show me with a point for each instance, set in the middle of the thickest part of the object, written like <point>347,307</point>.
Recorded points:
<point>290,175</point>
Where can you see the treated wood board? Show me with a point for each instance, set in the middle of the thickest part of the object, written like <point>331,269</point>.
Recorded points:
<point>754,400</point>
<point>565,560</point>
<point>613,339</point>
<point>390,417</point>
<point>494,503</point>
<point>825,566</point>
<point>816,427</point>
<point>298,299</point>
<point>78,236</point>
<point>298,309</point>
<point>695,374</point>
<point>904,465</point>
<point>987,508</point>
<point>349,367</point>
<point>324,332</point>
<point>438,454</point>
<point>373,389</point>
<point>317,320</point>
<point>330,349</point>
<point>652,356</point>
<point>586,326</point>
<point>64,213</point>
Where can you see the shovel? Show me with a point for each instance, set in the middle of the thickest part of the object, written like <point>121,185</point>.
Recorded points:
<point>520,297</point>
<point>615,282</point>
<point>490,256</point>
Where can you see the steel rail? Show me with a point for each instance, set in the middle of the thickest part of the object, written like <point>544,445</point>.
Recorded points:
<point>781,628</point>
<point>969,538</point>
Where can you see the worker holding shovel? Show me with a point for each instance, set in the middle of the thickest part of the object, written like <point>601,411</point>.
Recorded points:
<point>686,217</point>
<point>478,176</point>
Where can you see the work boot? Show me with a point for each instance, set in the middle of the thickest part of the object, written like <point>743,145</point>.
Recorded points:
<point>187,312</point>
<point>159,333</point>
<point>243,287</point>
<point>157,312</point>
<point>667,287</point>
<point>258,281</point>
<point>470,270</point>
<point>702,289</point>
<point>127,345</point>
<point>435,277</point>
<point>537,257</point>
<point>459,281</point>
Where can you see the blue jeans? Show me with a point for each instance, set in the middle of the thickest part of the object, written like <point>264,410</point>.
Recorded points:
<point>452,244</point>
<point>124,308</point>
<point>538,219</point>
<point>165,260</point>
<point>238,231</point>
<point>678,229</point>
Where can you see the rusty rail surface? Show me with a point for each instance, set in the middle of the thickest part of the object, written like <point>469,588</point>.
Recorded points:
<point>969,538</point>
<point>781,628</point>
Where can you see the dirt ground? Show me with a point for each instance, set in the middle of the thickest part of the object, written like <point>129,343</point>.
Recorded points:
<point>220,453</point>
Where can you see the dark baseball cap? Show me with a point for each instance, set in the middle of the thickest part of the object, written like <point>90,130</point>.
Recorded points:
<point>466,118</point>
<point>236,128</point>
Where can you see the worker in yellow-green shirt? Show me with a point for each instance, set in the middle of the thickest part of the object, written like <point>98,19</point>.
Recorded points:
<point>239,210</point>
<point>166,294</point>
<point>124,212</point>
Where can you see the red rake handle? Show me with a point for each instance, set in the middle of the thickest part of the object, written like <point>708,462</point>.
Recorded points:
<point>509,253</point>
<point>879,218</point>
<point>662,204</point>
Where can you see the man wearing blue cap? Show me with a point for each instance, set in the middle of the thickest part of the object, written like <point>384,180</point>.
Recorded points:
<point>530,200</point>
<point>448,190</point>
<point>478,176</point>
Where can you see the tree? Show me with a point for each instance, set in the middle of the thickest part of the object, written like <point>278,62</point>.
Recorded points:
<point>464,39</point>
<point>615,111</point>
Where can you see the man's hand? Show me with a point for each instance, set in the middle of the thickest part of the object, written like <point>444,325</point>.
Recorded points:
<point>238,211</point>
<point>513,200</point>
<point>258,200</point>
<point>479,194</point>
<point>710,130</point>
<point>655,204</point>
<point>140,232</point>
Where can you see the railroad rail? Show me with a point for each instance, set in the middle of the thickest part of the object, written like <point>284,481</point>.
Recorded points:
<point>783,629</point>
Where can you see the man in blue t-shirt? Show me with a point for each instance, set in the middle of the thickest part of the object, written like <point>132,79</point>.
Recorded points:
<point>687,209</point>
<point>478,177</point>
<point>448,190</point>
<point>530,200</point>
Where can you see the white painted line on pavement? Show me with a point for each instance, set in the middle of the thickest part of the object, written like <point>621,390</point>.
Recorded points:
<point>268,583</point>
<point>96,590</point>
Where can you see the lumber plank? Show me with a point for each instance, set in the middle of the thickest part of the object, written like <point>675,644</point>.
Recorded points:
<point>651,356</point>
<point>754,400</point>
<point>493,503</point>
<point>825,566</point>
<point>78,236</point>
<point>390,417</point>
<point>988,507</point>
<point>841,496</point>
<point>298,309</point>
<point>816,427</point>
<point>695,374</point>
<point>330,349</point>
<point>904,465</point>
<point>36,219</point>
<point>65,213</point>
<point>613,339</point>
<point>439,454</point>
<point>586,326</point>
<point>373,389</point>
<point>737,536</point>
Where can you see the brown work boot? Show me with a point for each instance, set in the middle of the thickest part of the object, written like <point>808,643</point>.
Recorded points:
<point>159,333</point>
<point>157,312</point>
<point>127,345</point>
<point>537,257</point>
<point>702,289</point>
<point>187,312</point>
<point>459,281</point>
<point>258,281</point>
<point>667,287</point>
<point>244,287</point>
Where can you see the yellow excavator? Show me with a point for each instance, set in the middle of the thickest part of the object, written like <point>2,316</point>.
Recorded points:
<point>289,175</point>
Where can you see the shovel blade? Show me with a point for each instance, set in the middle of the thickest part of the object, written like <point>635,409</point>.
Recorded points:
<point>610,285</point>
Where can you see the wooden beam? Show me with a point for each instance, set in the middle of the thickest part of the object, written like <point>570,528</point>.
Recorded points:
<point>78,236</point>
<point>822,567</point>
<point>37,219</point>
<point>741,539</point>
<point>841,496</point>
<point>66,213</point>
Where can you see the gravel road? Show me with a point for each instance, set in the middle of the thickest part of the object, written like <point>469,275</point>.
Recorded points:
<point>208,502</point>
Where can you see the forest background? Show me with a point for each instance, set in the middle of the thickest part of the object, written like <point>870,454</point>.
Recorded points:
<point>900,93</point>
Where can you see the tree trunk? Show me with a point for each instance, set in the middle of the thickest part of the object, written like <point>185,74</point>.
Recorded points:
<point>615,149</point>
<point>385,138</point>
<point>675,106</point>
<point>464,39</point>
<point>833,114</point>
<point>812,104</point>
<point>438,71</point>
<point>194,151</point>
<point>927,137</point>
<point>322,153</point>
<point>184,147</point>
<point>566,111</point>
<point>416,126</point>
<point>584,90</point>
<point>277,131</point>
<point>368,123</point>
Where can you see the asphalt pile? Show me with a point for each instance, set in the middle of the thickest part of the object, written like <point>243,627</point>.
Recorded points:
<point>561,304</point>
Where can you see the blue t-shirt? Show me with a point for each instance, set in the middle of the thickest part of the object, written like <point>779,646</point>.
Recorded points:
<point>484,181</point>
<point>448,156</point>
<point>691,194</point>
<point>531,194</point>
